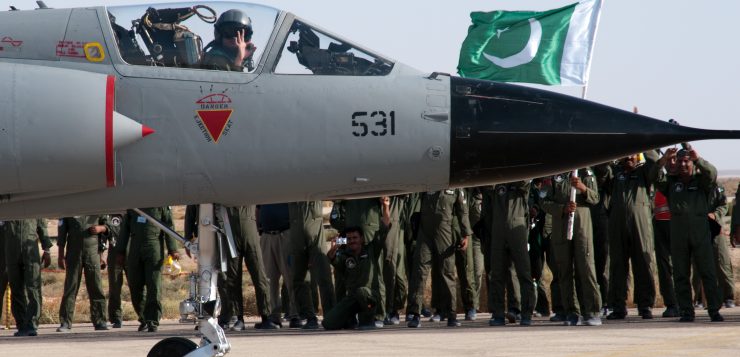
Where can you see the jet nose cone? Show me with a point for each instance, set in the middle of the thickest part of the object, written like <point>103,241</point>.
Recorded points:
<point>127,131</point>
<point>146,131</point>
<point>503,132</point>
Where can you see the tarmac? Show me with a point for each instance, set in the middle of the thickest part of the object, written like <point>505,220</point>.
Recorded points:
<point>630,337</point>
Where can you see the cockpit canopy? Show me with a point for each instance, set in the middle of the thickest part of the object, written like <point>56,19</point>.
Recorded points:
<point>175,34</point>
<point>179,34</point>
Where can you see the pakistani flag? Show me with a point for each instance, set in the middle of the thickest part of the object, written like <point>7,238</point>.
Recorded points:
<point>548,47</point>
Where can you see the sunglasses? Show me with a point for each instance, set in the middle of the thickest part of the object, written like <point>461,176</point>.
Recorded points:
<point>233,31</point>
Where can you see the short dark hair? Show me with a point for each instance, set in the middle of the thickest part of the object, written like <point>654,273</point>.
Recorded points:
<point>356,229</point>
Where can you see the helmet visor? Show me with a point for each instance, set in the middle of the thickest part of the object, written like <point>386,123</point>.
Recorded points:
<point>230,30</point>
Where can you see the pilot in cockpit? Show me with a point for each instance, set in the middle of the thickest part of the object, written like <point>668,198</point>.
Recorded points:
<point>231,48</point>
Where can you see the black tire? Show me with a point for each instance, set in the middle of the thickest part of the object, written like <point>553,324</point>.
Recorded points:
<point>172,347</point>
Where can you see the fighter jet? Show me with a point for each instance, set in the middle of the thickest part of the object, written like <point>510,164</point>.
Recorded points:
<point>313,116</point>
<point>108,108</point>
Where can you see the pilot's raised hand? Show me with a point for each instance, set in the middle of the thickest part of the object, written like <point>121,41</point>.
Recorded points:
<point>245,48</point>
<point>693,155</point>
<point>670,153</point>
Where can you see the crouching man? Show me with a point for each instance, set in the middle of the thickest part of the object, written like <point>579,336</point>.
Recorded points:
<point>357,264</point>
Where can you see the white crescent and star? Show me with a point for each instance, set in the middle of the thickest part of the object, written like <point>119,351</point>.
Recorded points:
<point>524,56</point>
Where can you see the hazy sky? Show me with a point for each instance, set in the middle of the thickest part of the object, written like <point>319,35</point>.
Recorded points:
<point>671,58</point>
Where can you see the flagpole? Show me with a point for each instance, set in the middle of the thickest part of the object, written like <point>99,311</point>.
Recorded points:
<point>584,91</point>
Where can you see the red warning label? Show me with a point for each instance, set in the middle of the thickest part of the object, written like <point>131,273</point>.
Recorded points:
<point>7,42</point>
<point>70,49</point>
<point>10,41</point>
<point>214,116</point>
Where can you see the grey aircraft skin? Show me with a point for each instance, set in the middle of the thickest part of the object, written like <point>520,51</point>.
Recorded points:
<point>315,117</point>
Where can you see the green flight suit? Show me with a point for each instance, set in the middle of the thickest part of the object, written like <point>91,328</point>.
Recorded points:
<point>436,243</point>
<point>116,272</point>
<point>662,234</point>
<point>574,258</point>
<point>220,58</point>
<point>243,221</point>
<point>721,250</point>
<point>308,251</point>
<point>510,227</point>
<point>631,234</point>
<point>23,264</point>
<point>600,218</point>
<point>513,291</point>
<point>721,244</point>
<point>474,265</point>
<point>394,272</point>
<point>538,244</point>
<point>363,213</point>
<point>464,273</point>
<point>411,228</point>
<point>690,234</point>
<point>146,252</point>
<point>360,279</point>
<point>81,255</point>
<point>555,294</point>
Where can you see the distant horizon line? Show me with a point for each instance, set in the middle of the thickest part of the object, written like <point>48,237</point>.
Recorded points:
<point>728,173</point>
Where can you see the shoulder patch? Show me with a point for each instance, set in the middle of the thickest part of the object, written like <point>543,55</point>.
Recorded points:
<point>350,263</point>
<point>558,178</point>
<point>678,187</point>
<point>60,223</point>
<point>450,192</point>
<point>115,221</point>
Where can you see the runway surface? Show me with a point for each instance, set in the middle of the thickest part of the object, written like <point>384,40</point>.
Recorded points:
<point>630,337</point>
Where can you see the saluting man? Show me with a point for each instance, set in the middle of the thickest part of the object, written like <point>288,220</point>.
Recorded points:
<point>631,233</point>
<point>688,195</point>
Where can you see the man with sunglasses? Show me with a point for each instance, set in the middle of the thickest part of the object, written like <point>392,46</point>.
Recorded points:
<point>231,48</point>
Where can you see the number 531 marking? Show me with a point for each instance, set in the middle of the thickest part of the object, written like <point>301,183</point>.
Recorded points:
<point>378,122</point>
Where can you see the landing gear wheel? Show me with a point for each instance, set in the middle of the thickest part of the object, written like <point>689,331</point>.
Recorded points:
<point>172,347</point>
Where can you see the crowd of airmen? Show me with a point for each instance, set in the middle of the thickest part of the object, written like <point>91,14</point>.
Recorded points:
<point>643,212</point>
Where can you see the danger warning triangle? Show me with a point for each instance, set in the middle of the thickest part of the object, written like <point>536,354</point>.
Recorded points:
<point>215,121</point>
